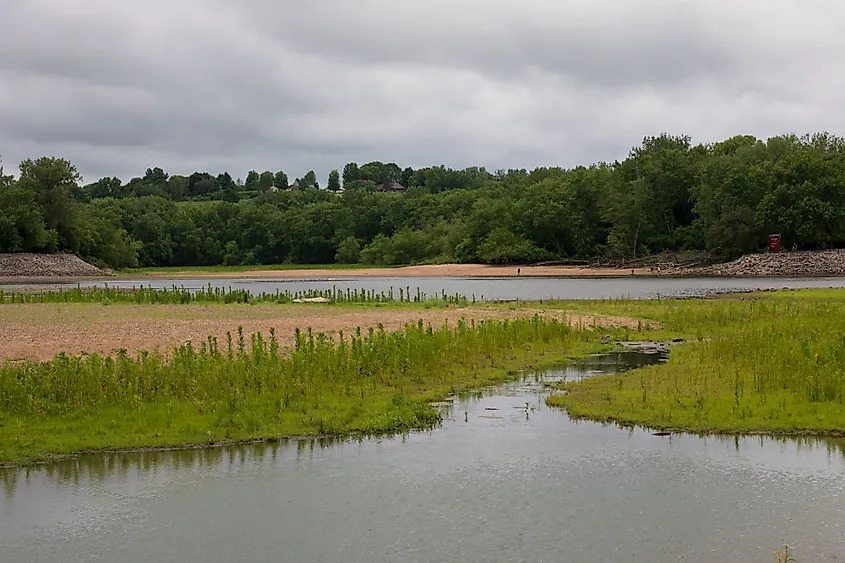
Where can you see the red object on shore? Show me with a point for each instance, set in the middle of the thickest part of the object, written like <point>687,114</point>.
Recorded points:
<point>774,243</point>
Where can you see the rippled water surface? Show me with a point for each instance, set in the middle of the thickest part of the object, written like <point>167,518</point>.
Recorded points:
<point>504,479</point>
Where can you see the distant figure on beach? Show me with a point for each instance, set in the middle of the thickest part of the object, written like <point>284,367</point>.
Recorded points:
<point>518,270</point>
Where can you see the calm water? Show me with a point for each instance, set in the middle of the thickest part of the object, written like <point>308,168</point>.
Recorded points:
<point>526,288</point>
<point>511,484</point>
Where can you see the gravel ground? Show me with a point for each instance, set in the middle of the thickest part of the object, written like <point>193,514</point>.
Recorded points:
<point>29,265</point>
<point>787,264</point>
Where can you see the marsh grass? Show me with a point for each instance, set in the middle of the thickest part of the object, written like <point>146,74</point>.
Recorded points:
<point>225,295</point>
<point>764,365</point>
<point>246,388</point>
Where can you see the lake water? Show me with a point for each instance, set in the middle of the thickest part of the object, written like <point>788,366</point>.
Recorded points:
<point>504,479</point>
<point>525,288</point>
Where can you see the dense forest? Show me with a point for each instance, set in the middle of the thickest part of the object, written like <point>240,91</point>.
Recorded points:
<point>667,195</point>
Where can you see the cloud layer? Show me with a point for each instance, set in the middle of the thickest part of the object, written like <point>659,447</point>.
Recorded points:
<point>215,85</point>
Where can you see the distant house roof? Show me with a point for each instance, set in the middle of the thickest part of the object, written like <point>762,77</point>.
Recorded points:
<point>392,187</point>
<point>294,186</point>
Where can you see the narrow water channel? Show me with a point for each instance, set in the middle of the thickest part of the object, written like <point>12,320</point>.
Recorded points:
<point>503,479</point>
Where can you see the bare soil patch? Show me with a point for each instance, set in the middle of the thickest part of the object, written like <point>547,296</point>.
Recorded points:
<point>40,331</point>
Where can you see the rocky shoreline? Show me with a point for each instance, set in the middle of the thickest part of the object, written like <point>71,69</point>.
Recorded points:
<point>29,265</point>
<point>811,263</point>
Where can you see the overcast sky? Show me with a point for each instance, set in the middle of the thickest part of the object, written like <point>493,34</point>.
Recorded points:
<point>119,86</point>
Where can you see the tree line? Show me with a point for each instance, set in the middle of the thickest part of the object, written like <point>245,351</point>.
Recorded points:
<point>667,195</point>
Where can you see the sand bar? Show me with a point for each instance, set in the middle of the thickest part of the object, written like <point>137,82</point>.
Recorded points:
<point>40,331</point>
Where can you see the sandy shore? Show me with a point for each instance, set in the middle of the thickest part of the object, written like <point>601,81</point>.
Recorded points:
<point>40,331</point>
<point>440,270</point>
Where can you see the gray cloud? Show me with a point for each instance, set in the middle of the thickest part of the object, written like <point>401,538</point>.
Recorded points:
<point>218,85</point>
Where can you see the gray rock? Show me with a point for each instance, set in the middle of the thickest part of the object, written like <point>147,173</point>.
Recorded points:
<point>29,265</point>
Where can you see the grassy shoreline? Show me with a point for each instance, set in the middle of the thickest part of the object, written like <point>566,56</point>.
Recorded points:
<point>246,391</point>
<point>768,364</point>
<point>501,374</point>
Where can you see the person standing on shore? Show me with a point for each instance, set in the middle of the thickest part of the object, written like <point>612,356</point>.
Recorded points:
<point>518,271</point>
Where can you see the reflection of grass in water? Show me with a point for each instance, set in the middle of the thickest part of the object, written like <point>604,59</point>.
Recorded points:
<point>246,388</point>
<point>783,556</point>
<point>774,365</point>
<point>124,466</point>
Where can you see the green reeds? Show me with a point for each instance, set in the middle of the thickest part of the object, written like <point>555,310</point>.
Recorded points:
<point>246,388</point>
<point>767,365</point>
<point>210,294</point>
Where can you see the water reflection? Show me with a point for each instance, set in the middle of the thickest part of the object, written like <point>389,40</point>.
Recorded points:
<point>86,470</point>
<point>493,483</point>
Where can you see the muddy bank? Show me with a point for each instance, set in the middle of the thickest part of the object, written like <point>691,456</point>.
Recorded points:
<point>23,266</point>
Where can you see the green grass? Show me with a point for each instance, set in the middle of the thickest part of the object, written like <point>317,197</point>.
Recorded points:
<point>770,364</point>
<point>174,270</point>
<point>246,389</point>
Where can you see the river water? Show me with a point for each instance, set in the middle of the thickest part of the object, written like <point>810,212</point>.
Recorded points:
<point>504,479</point>
<point>525,288</point>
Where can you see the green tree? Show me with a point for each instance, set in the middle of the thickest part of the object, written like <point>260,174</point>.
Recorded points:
<point>225,182</point>
<point>371,172</point>
<point>502,246</point>
<point>348,251</point>
<point>55,183</point>
<point>104,187</point>
<point>103,241</point>
<point>309,180</point>
<point>21,222</point>
<point>155,175</point>
<point>265,181</point>
<point>334,181</point>
<point>281,180</point>
<point>252,179</point>
<point>629,210</point>
<point>201,185</point>
<point>350,173</point>
<point>378,252</point>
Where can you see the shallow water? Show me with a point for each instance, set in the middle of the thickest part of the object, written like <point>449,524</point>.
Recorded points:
<point>526,288</point>
<point>511,484</point>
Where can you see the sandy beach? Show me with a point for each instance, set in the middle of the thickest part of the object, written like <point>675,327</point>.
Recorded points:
<point>434,271</point>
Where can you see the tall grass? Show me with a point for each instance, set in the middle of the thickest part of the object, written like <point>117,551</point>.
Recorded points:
<point>773,365</point>
<point>246,388</point>
<point>210,294</point>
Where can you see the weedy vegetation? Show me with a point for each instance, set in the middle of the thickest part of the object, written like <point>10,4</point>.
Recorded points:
<point>772,364</point>
<point>246,389</point>
<point>222,295</point>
